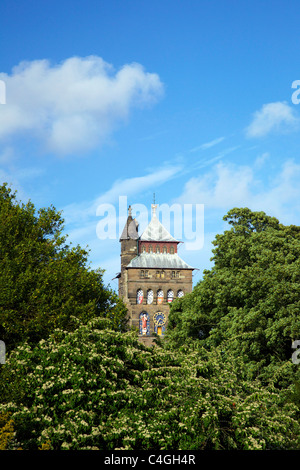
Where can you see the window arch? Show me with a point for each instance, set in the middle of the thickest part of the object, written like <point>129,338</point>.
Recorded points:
<point>180,293</point>
<point>149,296</point>
<point>144,324</point>
<point>170,296</point>
<point>139,296</point>
<point>160,296</point>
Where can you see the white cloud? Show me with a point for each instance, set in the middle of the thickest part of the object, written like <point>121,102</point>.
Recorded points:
<point>82,218</point>
<point>209,161</point>
<point>129,187</point>
<point>14,176</point>
<point>207,145</point>
<point>278,116</point>
<point>227,186</point>
<point>135,185</point>
<point>219,187</point>
<point>75,105</point>
<point>261,159</point>
<point>7,155</point>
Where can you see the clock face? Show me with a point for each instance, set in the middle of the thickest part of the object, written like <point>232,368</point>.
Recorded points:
<point>159,319</point>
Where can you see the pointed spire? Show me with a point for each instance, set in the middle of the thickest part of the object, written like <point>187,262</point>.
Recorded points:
<point>155,231</point>
<point>130,231</point>
<point>153,207</point>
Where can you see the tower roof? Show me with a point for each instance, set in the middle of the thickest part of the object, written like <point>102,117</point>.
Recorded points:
<point>130,230</point>
<point>155,231</point>
<point>159,261</point>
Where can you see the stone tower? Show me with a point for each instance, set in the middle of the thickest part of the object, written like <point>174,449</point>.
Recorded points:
<point>152,275</point>
<point>129,249</point>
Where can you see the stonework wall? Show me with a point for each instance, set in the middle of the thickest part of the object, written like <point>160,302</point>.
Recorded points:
<point>135,283</point>
<point>164,247</point>
<point>129,250</point>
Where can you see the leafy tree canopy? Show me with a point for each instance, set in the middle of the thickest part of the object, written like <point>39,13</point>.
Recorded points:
<point>95,388</point>
<point>249,302</point>
<point>44,282</point>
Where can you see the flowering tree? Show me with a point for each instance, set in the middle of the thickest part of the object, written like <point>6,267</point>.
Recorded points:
<point>95,388</point>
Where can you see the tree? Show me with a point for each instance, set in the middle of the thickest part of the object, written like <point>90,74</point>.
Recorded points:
<point>6,432</point>
<point>249,302</point>
<point>95,388</point>
<point>44,282</point>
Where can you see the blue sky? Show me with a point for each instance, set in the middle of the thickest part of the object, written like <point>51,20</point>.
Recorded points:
<point>190,100</point>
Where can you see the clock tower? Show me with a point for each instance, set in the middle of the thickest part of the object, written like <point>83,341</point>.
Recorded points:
<point>152,275</point>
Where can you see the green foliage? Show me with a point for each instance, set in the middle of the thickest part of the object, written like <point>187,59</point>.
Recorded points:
<point>45,283</point>
<point>249,302</point>
<point>95,388</point>
<point>74,379</point>
<point>6,431</point>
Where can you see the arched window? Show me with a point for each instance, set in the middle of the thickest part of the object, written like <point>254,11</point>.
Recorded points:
<point>150,249</point>
<point>170,296</point>
<point>165,249</point>
<point>143,249</point>
<point>139,296</point>
<point>160,296</point>
<point>144,324</point>
<point>157,249</point>
<point>180,293</point>
<point>172,250</point>
<point>150,296</point>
